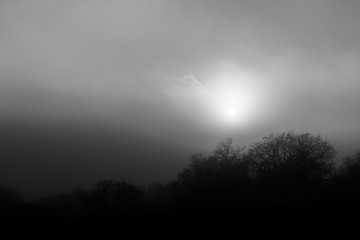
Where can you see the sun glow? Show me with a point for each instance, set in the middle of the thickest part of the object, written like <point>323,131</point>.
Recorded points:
<point>231,112</point>
<point>232,93</point>
<point>222,97</point>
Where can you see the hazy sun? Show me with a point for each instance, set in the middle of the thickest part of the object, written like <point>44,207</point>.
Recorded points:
<point>227,96</point>
<point>231,112</point>
<point>232,96</point>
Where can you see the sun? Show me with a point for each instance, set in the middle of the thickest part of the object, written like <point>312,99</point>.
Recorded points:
<point>232,95</point>
<point>231,112</point>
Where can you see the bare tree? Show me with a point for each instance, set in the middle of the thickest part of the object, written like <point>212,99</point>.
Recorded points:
<point>298,157</point>
<point>350,166</point>
<point>227,151</point>
<point>225,166</point>
<point>115,197</point>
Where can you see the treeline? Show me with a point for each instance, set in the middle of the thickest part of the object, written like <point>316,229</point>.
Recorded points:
<point>288,173</point>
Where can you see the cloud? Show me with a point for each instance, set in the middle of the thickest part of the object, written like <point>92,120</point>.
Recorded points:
<point>192,81</point>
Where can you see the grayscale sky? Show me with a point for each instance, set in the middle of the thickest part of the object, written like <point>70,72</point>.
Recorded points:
<point>131,88</point>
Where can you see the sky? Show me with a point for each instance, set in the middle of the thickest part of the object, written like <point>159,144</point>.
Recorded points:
<point>94,89</point>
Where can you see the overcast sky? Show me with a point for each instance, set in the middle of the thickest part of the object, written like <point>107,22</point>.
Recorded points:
<point>130,89</point>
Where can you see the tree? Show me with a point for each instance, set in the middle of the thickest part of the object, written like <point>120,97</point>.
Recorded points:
<point>115,197</point>
<point>346,184</point>
<point>10,202</point>
<point>218,182</point>
<point>350,166</point>
<point>225,166</point>
<point>9,196</point>
<point>295,158</point>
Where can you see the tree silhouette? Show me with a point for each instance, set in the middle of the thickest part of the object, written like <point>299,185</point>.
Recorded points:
<point>295,158</point>
<point>226,164</point>
<point>346,183</point>
<point>218,179</point>
<point>282,173</point>
<point>10,202</point>
<point>350,166</point>
<point>109,197</point>
<point>9,196</point>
